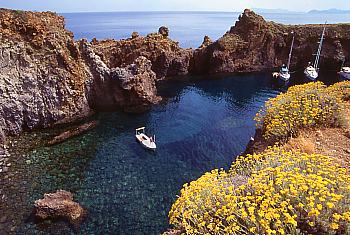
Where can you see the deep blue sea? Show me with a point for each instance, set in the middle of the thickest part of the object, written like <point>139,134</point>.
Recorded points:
<point>202,124</point>
<point>189,28</point>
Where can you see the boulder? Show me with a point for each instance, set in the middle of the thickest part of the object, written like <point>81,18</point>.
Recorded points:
<point>59,205</point>
<point>164,31</point>
<point>135,35</point>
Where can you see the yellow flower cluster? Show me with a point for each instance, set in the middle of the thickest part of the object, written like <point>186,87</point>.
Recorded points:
<point>308,105</point>
<point>275,192</point>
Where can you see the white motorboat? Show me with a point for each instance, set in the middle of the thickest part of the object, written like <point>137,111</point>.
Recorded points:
<point>147,142</point>
<point>284,74</point>
<point>311,71</point>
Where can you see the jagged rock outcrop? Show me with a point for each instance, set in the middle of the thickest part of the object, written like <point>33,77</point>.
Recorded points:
<point>42,76</point>
<point>164,31</point>
<point>254,44</point>
<point>131,88</point>
<point>206,42</point>
<point>47,78</point>
<point>59,205</point>
<point>167,57</point>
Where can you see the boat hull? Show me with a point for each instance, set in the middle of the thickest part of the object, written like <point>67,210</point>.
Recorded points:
<point>311,76</point>
<point>146,142</point>
<point>344,76</point>
<point>284,77</point>
<point>281,77</point>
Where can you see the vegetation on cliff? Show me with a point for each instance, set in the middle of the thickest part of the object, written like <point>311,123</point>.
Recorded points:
<point>304,106</point>
<point>277,191</point>
<point>283,193</point>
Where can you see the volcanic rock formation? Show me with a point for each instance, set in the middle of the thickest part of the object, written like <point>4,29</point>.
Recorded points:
<point>59,205</point>
<point>254,44</point>
<point>167,57</point>
<point>46,77</point>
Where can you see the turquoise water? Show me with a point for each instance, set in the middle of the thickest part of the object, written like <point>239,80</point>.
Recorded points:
<point>200,126</point>
<point>189,28</point>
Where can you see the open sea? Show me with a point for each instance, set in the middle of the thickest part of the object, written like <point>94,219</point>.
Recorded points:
<point>188,28</point>
<point>202,124</point>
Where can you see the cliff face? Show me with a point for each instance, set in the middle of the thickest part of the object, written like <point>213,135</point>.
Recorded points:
<point>167,58</point>
<point>254,44</point>
<point>46,77</point>
<point>131,88</point>
<point>42,76</point>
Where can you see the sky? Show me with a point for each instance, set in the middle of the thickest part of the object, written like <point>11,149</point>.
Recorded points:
<point>63,6</point>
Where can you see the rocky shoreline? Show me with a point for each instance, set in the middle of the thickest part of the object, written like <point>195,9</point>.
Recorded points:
<point>47,77</point>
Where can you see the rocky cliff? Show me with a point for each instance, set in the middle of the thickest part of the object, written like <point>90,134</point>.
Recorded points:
<point>254,44</point>
<point>167,57</point>
<point>42,76</point>
<point>47,78</point>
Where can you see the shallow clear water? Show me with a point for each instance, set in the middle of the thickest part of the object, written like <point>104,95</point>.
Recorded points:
<point>200,126</point>
<point>189,28</point>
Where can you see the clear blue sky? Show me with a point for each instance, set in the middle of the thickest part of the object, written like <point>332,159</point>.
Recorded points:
<point>170,5</point>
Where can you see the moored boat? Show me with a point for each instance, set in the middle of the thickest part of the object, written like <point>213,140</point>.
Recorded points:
<point>344,73</point>
<point>284,74</point>
<point>311,71</point>
<point>145,141</point>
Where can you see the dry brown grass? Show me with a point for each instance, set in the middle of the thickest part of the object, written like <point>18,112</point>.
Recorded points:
<point>302,142</point>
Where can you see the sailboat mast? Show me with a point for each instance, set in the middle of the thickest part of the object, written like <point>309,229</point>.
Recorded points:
<point>290,52</point>
<point>317,60</point>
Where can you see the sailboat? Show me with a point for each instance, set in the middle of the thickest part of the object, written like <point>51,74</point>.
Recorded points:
<point>344,73</point>
<point>311,71</point>
<point>284,74</point>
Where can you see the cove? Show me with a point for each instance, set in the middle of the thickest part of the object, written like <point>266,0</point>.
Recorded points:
<point>201,125</point>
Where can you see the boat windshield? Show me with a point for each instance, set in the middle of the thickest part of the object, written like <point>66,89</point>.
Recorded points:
<point>284,70</point>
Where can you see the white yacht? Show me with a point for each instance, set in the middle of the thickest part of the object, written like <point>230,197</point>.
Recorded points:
<point>344,73</point>
<point>284,73</point>
<point>311,71</point>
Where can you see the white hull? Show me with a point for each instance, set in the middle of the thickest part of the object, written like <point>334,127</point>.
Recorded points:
<point>344,76</point>
<point>311,73</point>
<point>146,141</point>
<point>284,77</point>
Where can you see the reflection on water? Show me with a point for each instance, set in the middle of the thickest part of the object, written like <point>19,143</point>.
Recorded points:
<point>201,125</point>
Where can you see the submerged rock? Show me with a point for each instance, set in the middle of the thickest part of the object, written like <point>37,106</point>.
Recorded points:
<point>72,133</point>
<point>59,205</point>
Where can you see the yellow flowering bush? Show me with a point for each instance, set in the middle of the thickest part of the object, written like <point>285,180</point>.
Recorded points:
<point>302,106</point>
<point>275,192</point>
